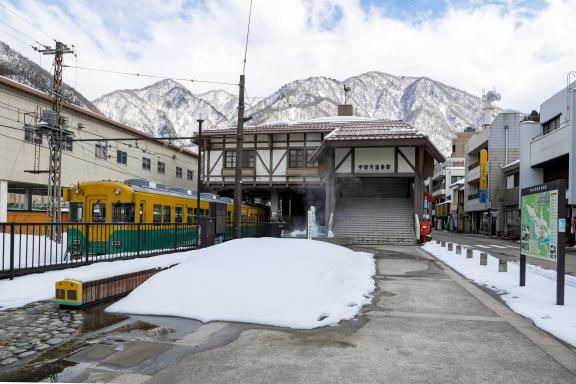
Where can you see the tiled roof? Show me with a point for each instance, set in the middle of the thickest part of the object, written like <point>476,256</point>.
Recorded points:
<point>375,130</point>
<point>320,125</point>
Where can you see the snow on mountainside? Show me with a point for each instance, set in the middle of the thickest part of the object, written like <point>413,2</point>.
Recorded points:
<point>16,67</point>
<point>435,109</point>
<point>165,108</point>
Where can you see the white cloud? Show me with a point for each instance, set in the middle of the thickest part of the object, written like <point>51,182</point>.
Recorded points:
<point>524,53</point>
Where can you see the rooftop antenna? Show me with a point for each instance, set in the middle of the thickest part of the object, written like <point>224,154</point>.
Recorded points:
<point>346,90</point>
<point>571,74</point>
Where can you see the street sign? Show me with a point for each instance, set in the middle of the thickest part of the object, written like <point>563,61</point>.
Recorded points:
<point>483,187</point>
<point>542,228</point>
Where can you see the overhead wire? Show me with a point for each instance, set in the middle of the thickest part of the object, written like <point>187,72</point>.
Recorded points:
<point>151,76</point>
<point>25,21</point>
<point>247,36</point>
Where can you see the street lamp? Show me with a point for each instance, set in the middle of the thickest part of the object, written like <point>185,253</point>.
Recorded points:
<point>202,115</point>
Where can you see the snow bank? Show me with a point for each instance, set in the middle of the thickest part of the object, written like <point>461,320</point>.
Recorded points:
<point>40,286</point>
<point>536,300</point>
<point>283,282</point>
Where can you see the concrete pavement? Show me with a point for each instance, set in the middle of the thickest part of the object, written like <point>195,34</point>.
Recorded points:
<point>426,324</point>
<point>506,249</point>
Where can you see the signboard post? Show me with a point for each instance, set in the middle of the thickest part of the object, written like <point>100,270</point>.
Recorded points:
<point>483,190</point>
<point>542,229</point>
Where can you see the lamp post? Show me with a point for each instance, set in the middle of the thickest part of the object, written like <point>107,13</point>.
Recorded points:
<point>201,117</point>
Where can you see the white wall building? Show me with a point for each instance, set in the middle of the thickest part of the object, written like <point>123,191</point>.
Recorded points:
<point>22,151</point>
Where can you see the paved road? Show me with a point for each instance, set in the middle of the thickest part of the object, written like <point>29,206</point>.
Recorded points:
<point>427,324</point>
<point>502,248</point>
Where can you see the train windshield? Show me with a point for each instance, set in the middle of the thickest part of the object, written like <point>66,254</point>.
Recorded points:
<point>123,212</point>
<point>76,212</point>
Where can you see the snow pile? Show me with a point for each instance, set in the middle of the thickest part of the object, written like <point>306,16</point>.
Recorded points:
<point>536,300</point>
<point>283,282</point>
<point>40,286</point>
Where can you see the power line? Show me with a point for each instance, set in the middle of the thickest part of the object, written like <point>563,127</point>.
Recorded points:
<point>247,36</point>
<point>22,33</point>
<point>17,38</point>
<point>151,76</point>
<point>26,21</point>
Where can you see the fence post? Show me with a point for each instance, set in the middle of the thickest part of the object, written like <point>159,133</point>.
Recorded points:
<point>175,237</point>
<point>86,240</point>
<point>138,239</point>
<point>11,251</point>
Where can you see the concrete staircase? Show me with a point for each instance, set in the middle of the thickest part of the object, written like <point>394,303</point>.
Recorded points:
<point>375,220</point>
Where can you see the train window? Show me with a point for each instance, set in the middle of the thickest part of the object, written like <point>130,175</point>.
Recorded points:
<point>229,215</point>
<point>178,214</point>
<point>157,213</point>
<point>141,212</point>
<point>190,215</point>
<point>99,212</point>
<point>76,212</point>
<point>167,214</point>
<point>122,212</point>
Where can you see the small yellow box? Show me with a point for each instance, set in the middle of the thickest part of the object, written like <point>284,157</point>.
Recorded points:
<point>68,292</point>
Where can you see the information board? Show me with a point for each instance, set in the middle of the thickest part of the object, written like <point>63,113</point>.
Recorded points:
<point>539,222</point>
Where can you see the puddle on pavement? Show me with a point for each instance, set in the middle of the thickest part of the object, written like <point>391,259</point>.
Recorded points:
<point>52,366</point>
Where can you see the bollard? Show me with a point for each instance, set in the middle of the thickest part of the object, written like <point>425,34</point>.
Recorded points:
<point>483,258</point>
<point>450,247</point>
<point>443,244</point>
<point>469,253</point>
<point>458,249</point>
<point>502,266</point>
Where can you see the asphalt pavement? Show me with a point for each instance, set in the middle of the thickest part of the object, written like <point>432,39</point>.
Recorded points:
<point>506,249</point>
<point>426,324</point>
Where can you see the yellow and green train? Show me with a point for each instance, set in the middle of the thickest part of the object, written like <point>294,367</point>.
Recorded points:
<point>109,217</point>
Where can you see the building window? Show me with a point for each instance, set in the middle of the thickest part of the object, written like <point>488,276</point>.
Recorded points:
<point>32,136</point>
<point>455,179</point>
<point>296,158</point>
<point>230,159</point>
<point>309,153</point>
<point>101,150</point>
<point>248,158</point>
<point>178,172</point>
<point>189,175</point>
<point>161,168</point>
<point>551,125</point>
<point>67,144</point>
<point>146,163</point>
<point>121,157</point>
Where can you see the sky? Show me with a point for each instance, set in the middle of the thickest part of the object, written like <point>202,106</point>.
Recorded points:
<point>523,49</point>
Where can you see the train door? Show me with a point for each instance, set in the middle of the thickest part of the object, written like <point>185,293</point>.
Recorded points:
<point>142,212</point>
<point>98,216</point>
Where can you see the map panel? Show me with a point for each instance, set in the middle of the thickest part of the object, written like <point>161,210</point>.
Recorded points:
<point>539,225</point>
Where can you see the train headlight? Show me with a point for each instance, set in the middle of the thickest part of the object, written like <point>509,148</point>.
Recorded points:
<point>117,191</point>
<point>76,242</point>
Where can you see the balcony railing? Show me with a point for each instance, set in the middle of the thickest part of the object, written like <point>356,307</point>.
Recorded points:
<point>473,196</point>
<point>473,165</point>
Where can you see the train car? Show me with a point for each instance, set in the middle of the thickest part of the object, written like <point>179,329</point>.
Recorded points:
<point>108,217</point>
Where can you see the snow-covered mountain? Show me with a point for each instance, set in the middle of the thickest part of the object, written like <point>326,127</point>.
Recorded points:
<point>435,109</point>
<point>165,108</point>
<point>18,68</point>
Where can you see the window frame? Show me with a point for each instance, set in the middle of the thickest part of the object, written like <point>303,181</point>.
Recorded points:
<point>189,174</point>
<point>101,150</point>
<point>146,163</point>
<point>230,158</point>
<point>166,209</point>
<point>121,155</point>
<point>124,216</point>
<point>178,172</point>
<point>161,168</point>
<point>157,214</point>
<point>297,160</point>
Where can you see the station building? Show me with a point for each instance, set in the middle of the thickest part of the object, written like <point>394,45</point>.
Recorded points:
<point>365,177</point>
<point>25,156</point>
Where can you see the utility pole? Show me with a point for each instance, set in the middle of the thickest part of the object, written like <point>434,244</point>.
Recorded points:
<point>55,134</point>
<point>239,157</point>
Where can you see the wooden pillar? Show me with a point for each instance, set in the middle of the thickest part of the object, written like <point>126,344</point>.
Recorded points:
<point>330,187</point>
<point>419,183</point>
